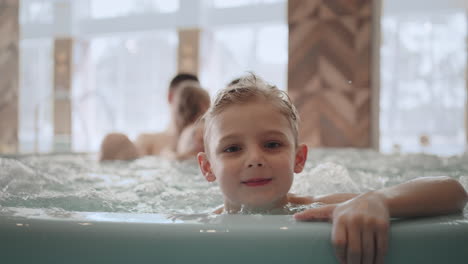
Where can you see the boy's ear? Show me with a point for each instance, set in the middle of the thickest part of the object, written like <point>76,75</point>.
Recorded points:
<point>301,158</point>
<point>170,96</point>
<point>205,167</point>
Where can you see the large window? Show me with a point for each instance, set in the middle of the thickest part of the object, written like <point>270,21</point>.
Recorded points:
<point>237,3</point>
<point>125,53</point>
<point>232,51</point>
<point>35,96</point>
<point>38,11</point>
<point>112,8</point>
<point>423,86</point>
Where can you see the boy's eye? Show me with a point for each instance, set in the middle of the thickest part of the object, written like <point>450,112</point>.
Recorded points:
<point>232,149</point>
<point>272,144</point>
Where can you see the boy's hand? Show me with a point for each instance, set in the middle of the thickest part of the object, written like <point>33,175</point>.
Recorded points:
<point>360,228</point>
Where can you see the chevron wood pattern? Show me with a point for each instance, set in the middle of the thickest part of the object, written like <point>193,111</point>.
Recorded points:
<point>329,70</point>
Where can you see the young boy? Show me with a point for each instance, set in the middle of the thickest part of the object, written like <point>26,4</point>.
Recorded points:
<point>251,148</point>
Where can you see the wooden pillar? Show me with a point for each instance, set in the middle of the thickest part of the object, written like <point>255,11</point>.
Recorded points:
<point>466,86</point>
<point>329,71</point>
<point>188,51</point>
<point>9,75</point>
<point>375,73</point>
<point>63,54</point>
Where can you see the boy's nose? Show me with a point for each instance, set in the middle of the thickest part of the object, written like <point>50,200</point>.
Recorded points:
<point>255,158</point>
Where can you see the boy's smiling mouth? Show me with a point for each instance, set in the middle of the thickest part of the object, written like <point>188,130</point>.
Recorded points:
<point>257,182</point>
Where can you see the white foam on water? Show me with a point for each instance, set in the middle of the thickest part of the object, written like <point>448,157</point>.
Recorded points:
<point>72,182</point>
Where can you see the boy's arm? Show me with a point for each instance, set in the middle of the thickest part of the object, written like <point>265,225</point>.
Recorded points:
<point>334,198</point>
<point>424,196</point>
<point>360,225</point>
<point>419,197</point>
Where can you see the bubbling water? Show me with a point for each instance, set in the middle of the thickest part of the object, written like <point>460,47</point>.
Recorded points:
<point>76,182</point>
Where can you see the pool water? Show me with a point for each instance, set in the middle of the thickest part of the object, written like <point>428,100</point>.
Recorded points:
<point>68,208</point>
<point>77,182</point>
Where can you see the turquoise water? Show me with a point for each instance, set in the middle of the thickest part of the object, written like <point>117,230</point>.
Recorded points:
<point>73,182</point>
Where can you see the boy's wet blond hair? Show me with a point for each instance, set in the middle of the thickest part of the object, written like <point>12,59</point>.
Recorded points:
<point>247,89</point>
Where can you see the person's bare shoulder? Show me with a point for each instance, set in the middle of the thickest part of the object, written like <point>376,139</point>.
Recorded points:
<point>117,146</point>
<point>153,143</point>
<point>143,144</point>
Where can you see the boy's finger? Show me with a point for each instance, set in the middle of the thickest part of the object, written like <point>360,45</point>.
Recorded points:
<point>339,241</point>
<point>322,213</point>
<point>354,250</point>
<point>382,246</point>
<point>368,246</point>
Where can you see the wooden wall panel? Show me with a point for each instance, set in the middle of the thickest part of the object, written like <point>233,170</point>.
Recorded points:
<point>63,54</point>
<point>188,52</point>
<point>329,73</point>
<point>9,75</point>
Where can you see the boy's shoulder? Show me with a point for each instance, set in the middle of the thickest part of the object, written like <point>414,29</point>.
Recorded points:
<point>220,210</point>
<point>299,200</point>
<point>326,199</point>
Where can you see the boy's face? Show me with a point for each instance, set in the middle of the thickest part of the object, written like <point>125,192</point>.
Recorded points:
<point>251,152</point>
